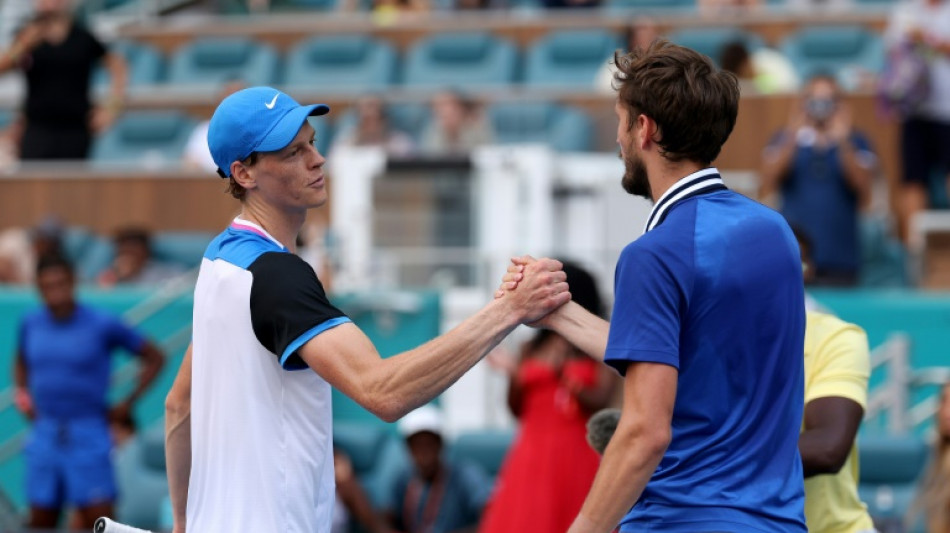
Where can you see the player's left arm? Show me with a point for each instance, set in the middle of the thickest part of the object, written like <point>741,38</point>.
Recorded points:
<point>636,448</point>
<point>834,401</point>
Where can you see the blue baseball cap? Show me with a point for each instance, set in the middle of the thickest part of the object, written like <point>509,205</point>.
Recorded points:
<point>256,119</point>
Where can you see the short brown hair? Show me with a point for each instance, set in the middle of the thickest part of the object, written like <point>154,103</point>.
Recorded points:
<point>693,103</point>
<point>234,188</point>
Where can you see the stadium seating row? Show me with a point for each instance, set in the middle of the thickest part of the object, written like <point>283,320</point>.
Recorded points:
<point>154,138</point>
<point>890,467</point>
<point>562,59</point>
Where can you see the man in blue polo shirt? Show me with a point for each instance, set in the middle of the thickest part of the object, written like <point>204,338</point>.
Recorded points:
<point>707,327</point>
<point>62,377</point>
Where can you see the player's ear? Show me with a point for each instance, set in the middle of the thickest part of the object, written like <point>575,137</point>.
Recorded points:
<point>647,131</point>
<point>242,175</point>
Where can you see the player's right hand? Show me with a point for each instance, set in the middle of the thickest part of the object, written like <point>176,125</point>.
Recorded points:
<point>541,289</point>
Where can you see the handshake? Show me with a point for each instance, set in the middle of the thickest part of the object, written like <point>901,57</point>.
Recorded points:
<point>534,289</point>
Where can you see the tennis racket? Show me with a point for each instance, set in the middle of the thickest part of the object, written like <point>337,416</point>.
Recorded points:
<point>105,525</point>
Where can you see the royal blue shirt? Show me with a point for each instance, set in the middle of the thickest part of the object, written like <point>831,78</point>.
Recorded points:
<point>69,361</point>
<point>714,289</point>
<point>817,198</point>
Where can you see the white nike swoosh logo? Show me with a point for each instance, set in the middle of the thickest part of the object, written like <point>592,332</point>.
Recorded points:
<point>272,102</point>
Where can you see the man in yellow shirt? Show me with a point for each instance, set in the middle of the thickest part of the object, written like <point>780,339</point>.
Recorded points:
<point>837,367</point>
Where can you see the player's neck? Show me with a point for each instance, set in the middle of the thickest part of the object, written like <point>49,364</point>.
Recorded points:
<point>664,174</point>
<point>280,224</point>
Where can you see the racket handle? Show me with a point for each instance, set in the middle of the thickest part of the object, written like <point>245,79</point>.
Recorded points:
<point>105,525</point>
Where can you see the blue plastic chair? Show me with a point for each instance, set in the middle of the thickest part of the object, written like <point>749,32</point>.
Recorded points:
<point>889,470</point>
<point>486,448</point>
<point>569,58</point>
<point>344,63</point>
<point>461,60</point>
<point>563,128</point>
<point>215,61</point>
<point>147,138</point>
<point>185,248</point>
<point>651,6</point>
<point>146,65</point>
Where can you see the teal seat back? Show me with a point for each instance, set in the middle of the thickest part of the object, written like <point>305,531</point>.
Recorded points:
<point>147,138</point>
<point>215,61</point>
<point>461,60</point>
<point>486,448</point>
<point>840,51</point>
<point>564,128</point>
<point>569,58</point>
<point>344,63</point>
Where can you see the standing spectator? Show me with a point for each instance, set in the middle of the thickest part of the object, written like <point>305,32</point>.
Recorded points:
<point>823,169</point>
<point>373,128</point>
<point>58,56</point>
<point>924,27</point>
<point>61,374</point>
<point>933,502</point>
<point>436,496</point>
<point>457,127</point>
<point>554,389</point>
<point>133,263</point>
<point>837,368</point>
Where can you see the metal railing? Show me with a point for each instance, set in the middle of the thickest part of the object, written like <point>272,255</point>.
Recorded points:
<point>893,398</point>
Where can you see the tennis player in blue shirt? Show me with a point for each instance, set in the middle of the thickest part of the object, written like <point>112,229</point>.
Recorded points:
<point>707,326</point>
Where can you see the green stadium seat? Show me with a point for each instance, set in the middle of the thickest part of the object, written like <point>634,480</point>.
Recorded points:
<point>842,51</point>
<point>461,60</point>
<point>303,5</point>
<point>889,470</point>
<point>215,61</point>
<point>563,128</point>
<point>146,138</point>
<point>140,476</point>
<point>344,63</point>
<point>185,248</point>
<point>641,6</point>
<point>486,448</point>
<point>569,58</point>
<point>712,41</point>
<point>146,65</point>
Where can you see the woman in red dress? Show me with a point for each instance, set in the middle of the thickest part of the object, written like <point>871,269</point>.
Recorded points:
<point>554,389</point>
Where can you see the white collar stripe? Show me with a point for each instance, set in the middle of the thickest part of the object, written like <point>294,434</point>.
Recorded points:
<point>692,184</point>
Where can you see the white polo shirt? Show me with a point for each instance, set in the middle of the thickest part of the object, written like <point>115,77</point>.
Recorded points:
<point>261,420</point>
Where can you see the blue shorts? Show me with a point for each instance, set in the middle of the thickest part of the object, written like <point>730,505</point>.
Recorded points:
<point>68,462</point>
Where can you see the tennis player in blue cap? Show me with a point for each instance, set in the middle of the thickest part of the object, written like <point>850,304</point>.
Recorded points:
<point>248,419</point>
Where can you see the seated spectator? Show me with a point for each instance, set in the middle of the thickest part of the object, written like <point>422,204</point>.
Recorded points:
<point>458,125</point>
<point>197,156</point>
<point>351,500</point>
<point>763,71</point>
<point>823,170</point>
<point>133,263</point>
<point>436,496</point>
<point>372,128</point>
<point>638,35</point>
<point>933,501</point>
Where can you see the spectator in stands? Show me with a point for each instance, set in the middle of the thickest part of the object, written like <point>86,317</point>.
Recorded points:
<point>437,495</point>
<point>351,500</point>
<point>133,263</point>
<point>823,169</point>
<point>457,127</point>
<point>373,128</point>
<point>58,56</point>
<point>837,368</point>
<point>933,502</point>
<point>638,35</point>
<point>61,373</point>
<point>197,156</point>
<point>553,390</point>
<point>922,28</point>
<point>764,71</point>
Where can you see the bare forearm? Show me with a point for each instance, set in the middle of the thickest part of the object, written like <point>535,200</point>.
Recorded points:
<point>857,175</point>
<point>413,378</point>
<point>152,362</point>
<point>118,72</point>
<point>178,461</point>
<point>629,461</point>
<point>776,165</point>
<point>19,372</point>
<point>586,331</point>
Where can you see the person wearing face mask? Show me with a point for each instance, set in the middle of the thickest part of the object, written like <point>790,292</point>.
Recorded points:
<point>823,169</point>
